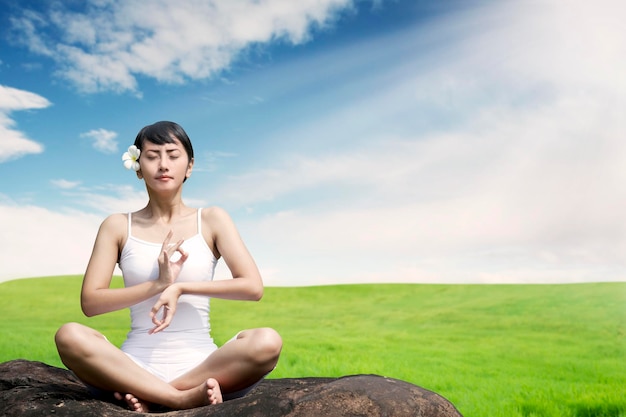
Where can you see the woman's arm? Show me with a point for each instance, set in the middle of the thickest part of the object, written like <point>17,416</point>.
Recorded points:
<point>96,296</point>
<point>222,235</point>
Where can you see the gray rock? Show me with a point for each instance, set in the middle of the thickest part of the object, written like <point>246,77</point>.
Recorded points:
<point>35,389</point>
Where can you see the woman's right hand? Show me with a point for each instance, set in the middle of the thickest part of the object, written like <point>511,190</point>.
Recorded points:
<point>168,270</point>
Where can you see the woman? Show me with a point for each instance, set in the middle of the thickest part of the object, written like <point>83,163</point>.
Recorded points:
<point>167,253</point>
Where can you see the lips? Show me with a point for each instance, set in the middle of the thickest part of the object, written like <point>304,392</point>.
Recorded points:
<point>164,177</point>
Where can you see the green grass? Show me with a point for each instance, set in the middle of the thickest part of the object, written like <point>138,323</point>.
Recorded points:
<point>492,350</point>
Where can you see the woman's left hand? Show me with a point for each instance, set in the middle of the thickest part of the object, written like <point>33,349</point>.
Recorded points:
<point>166,302</point>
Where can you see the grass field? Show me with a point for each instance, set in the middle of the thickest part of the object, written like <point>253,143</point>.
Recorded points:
<point>492,350</point>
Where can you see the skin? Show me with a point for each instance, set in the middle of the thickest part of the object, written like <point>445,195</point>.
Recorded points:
<point>236,365</point>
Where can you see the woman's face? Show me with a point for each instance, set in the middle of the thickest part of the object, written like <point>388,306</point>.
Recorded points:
<point>164,166</point>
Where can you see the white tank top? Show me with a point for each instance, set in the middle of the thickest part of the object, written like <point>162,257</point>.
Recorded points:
<point>138,262</point>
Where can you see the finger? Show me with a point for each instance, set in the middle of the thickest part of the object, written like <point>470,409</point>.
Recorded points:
<point>157,323</point>
<point>183,256</point>
<point>168,313</point>
<point>155,309</point>
<point>166,242</point>
<point>156,329</point>
<point>164,258</point>
<point>175,247</point>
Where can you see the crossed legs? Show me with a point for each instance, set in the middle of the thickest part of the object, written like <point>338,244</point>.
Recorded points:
<point>238,364</point>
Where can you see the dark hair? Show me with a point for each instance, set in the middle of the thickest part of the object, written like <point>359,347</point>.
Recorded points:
<point>164,132</point>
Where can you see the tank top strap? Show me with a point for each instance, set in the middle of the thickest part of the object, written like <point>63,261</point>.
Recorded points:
<point>200,221</point>
<point>129,223</point>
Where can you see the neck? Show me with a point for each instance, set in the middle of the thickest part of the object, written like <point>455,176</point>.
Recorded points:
<point>165,209</point>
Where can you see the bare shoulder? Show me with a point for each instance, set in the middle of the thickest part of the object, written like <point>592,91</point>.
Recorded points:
<point>114,226</point>
<point>217,223</point>
<point>215,216</point>
<point>116,221</point>
<point>217,228</point>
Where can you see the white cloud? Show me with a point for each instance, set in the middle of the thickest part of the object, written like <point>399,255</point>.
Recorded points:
<point>522,198</point>
<point>108,199</point>
<point>520,181</point>
<point>211,161</point>
<point>108,44</point>
<point>62,241</point>
<point>65,184</point>
<point>12,99</point>
<point>14,143</point>
<point>102,140</point>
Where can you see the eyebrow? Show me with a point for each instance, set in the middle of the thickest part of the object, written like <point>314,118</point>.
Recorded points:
<point>166,150</point>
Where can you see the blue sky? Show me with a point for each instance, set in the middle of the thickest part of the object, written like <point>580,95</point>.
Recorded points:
<point>351,141</point>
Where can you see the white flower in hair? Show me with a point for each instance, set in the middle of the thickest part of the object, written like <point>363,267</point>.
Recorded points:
<point>131,158</point>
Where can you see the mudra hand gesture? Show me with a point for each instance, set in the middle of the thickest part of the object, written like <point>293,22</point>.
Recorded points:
<point>168,273</point>
<point>168,270</point>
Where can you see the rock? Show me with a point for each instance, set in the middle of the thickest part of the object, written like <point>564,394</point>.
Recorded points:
<point>35,389</point>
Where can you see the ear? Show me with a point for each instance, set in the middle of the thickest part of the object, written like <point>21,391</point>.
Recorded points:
<point>139,175</point>
<point>189,169</point>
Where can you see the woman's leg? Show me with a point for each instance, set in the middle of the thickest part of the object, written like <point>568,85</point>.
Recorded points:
<point>100,364</point>
<point>239,363</point>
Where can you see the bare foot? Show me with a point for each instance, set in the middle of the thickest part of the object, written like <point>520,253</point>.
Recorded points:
<point>208,393</point>
<point>214,394</point>
<point>134,403</point>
